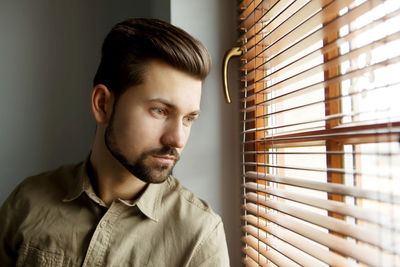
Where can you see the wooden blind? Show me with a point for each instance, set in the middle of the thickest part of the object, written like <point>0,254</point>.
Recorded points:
<point>320,102</point>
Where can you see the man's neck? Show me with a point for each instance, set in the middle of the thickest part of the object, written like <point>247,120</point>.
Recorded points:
<point>110,179</point>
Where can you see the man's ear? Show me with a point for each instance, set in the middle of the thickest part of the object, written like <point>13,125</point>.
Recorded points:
<point>102,103</point>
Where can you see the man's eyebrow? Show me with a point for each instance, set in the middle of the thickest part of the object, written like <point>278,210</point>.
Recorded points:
<point>195,113</point>
<point>172,106</point>
<point>163,101</point>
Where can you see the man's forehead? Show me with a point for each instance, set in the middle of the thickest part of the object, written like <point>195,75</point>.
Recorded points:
<point>172,86</point>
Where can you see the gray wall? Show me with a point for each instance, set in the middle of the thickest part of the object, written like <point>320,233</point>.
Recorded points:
<point>49,51</point>
<point>209,163</point>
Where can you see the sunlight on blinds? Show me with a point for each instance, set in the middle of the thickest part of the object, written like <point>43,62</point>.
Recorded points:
<point>321,132</point>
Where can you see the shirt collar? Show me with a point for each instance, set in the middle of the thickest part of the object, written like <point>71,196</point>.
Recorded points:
<point>149,203</point>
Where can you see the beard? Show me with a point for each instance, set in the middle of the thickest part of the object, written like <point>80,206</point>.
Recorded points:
<point>144,167</point>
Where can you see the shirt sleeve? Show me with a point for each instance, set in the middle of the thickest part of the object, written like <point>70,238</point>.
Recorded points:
<point>8,226</point>
<point>213,250</point>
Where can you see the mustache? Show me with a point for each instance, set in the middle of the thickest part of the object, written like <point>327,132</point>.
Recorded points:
<point>164,151</point>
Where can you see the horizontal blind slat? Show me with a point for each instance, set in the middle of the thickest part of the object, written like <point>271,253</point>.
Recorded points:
<point>361,253</point>
<point>315,169</point>
<point>271,8</point>
<point>296,76</point>
<point>278,40</point>
<point>381,154</point>
<point>324,119</point>
<point>250,7</point>
<point>318,85</point>
<point>381,89</point>
<point>254,255</point>
<point>330,205</point>
<point>300,242</point>
<point>390,134</point>
<point>278,19</point>
<point>243,4</point>
<point>292,253</point>
<point>269,254</point>
<point>326,187</point>
<point>295,26</point>
<point>316,36</point>
<point>270,21</point>
<point>249,262</point>
<point>381,238</point>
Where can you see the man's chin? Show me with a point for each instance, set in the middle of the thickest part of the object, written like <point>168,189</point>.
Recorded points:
<point>147,168</point>
<point>154,171</point>
<point>159,175</point>
<point>154,174</point>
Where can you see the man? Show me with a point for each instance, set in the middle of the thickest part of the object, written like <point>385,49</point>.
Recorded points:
<point>122,207</point>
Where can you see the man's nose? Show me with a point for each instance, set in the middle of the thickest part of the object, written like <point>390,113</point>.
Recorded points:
<point>174,135</point>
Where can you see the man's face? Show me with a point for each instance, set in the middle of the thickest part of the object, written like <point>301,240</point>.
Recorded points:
<point>151,122</point>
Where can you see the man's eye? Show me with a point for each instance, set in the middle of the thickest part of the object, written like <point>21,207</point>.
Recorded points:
<point>188,120</point>
<point>158,111</point>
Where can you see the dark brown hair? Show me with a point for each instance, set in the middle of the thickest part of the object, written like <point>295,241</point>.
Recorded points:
<point>133,42</point>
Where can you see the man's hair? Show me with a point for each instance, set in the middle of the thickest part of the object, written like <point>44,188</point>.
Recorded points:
<point>133,42</point>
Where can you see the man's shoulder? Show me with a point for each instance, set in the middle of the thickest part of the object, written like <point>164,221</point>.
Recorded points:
<point>188,203</point>
<point>48,184</point>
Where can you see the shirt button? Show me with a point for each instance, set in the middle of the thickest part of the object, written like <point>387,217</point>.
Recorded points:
<point>103,224</point>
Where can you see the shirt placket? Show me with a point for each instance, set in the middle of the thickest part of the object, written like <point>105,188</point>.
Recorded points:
<point>100,241</point>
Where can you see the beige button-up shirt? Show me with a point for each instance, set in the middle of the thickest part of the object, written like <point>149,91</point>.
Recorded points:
<point>56,219</point>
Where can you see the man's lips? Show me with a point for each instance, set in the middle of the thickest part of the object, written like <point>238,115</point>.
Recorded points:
<point>164,159</point>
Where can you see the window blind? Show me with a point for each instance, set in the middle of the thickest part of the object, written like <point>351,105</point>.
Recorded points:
<point>320,132</point>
